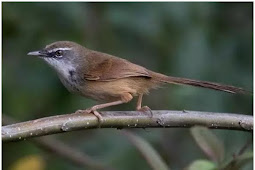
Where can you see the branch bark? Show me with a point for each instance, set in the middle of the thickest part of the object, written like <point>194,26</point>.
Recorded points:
<point>62,150</point>
<point>125,119</point>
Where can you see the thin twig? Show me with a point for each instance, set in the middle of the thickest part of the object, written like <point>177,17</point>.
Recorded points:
<point>243,148</point>
<point>69,153</point>
<point>125,119</point>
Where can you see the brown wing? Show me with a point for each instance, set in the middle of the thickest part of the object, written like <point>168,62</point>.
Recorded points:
<point>108,68</point>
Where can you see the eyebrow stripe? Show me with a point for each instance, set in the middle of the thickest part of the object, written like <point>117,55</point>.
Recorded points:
<point>56,49</point>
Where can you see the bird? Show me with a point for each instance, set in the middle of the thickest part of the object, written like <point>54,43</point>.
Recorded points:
<point>109,79</point>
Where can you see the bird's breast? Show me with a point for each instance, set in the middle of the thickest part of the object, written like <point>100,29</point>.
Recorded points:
<point>71,82</point>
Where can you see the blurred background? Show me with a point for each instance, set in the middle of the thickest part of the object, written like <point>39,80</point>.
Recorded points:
<point>205,41</point>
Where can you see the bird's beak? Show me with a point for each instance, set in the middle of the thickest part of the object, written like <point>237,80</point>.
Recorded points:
<point>34,53</point>
<point>40,53</point>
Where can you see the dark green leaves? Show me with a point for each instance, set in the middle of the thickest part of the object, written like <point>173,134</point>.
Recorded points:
<point>202,165</point>
<point>148,152</point>
<point>213,147</point>
<point>209,143</point>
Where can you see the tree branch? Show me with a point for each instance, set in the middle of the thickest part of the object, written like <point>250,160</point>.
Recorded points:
<point>125,119</point>
<point>60,149</point>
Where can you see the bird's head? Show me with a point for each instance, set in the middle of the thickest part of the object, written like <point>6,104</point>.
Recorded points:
<point>63,56</point>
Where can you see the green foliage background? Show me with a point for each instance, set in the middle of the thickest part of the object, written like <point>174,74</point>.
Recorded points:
<point>206,41</point>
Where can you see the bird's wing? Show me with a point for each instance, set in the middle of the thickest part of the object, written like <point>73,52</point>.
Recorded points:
<point>108,68</point>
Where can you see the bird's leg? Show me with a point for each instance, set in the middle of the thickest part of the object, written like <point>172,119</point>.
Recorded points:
<point>94,111</point>
<point>124,99</point>
<point>139,102</point>
<point>139,105</point>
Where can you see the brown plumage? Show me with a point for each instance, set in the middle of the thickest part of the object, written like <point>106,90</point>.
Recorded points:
<point>110,79</point>
<point>198,83</point>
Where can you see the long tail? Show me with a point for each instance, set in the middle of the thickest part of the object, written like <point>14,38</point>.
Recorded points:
<point>197,83</point>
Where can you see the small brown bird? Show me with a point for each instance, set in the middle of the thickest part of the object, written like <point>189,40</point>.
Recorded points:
<point>107,78</point>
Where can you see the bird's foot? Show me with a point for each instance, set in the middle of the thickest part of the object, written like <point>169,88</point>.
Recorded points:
<point>145,109</point>
<point>93,111</point>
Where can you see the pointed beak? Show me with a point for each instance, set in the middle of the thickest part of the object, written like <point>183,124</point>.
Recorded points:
<point>37,53</point>
<point>34,53</point>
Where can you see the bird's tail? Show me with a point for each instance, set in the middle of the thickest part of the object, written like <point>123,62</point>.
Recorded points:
<point>197,83</point>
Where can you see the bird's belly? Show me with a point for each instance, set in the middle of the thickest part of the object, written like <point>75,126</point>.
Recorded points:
<point>88,89</point>
<point>108,91</point>
<point>113,90</point>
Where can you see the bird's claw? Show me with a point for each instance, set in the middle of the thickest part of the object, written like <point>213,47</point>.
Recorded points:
<point>145,109</point>
<point>94,112</point>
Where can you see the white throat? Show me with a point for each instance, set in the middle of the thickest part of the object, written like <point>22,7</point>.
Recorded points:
<point>62,67</point>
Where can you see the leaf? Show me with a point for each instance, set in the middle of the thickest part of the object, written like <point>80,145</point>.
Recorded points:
<point>33,162</point>
<point>202,165</point>
<point>147,151</point>
<point>239,161</point>
<point>208,142</point>
<point>243,159</point>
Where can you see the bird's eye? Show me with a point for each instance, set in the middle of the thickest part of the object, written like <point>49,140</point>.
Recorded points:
<point>58,53</point>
